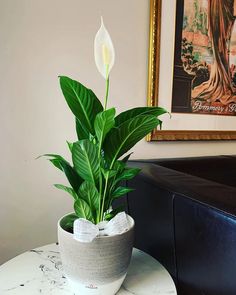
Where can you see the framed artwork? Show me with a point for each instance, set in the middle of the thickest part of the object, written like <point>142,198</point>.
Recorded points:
<point>192,68</point>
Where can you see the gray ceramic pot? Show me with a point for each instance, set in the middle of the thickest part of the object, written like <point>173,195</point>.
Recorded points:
<point>99,267</point>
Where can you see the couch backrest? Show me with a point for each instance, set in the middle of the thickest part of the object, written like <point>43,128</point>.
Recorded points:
<point>220,169</point>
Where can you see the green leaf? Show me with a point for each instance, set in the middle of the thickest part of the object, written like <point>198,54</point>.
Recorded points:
<point>56,163</point>
<point>82,210</point>
<point>81,132</point>
<point>132,113</point>
<point>85,160</point>
<point>126,158</point>
<point>89,193</point>
<point>109,172</point>
<point>82,101</point>
<point>103,123</point>
<point>120,140</point>
<point>128,174</point>
<point>120,191</point>
<point>70,145</point>
<point>67,189</point>
<point>119,166</point>
<point>74,179</point>
<point>113,213</point>
<point>67,222</point>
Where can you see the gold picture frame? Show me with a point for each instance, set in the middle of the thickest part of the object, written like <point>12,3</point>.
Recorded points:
<point>153,87</point>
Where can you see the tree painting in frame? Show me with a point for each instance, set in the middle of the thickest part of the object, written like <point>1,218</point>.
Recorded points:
<point>204,78</point>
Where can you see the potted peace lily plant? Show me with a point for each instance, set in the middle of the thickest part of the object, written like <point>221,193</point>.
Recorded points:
<point>99,157</point>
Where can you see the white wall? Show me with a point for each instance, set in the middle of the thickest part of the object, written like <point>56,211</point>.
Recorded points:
<point>40,40</point>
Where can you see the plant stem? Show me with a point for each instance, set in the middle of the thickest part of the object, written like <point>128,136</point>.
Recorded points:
<point>107,86</point>
<point>104,196</point>
<point>100,196</point>
<point>102,200</point>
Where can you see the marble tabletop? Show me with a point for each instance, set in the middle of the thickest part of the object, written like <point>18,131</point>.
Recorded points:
<point>39,271</point>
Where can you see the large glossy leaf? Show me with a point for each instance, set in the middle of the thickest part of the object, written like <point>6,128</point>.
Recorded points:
<point>109,173</point>
<point>126,158</point>
<point>55,160</point>
<point>82,133</point>
<point>74,179</point>
<point>119,166</point>
<point>70,145</point>
<point>104,121</point>
<point>85,160</point>
<point>83,210</point>
<point>56,163</point>
<point>119,140</point>
<point>128,174</point>
<point>82,101</point>
<point>89,193</point>
<point>67,222</point>
<point>120,191</point>
<point>67,189</point>
<point>117,193</point>
<point>132,113</point>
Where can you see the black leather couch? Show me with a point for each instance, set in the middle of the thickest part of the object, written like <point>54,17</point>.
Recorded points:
<point>185,214</point>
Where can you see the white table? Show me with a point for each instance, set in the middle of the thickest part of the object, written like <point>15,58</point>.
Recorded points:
<point>39,271</point>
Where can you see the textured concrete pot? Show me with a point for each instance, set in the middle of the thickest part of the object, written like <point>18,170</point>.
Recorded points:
<point>99,267</point>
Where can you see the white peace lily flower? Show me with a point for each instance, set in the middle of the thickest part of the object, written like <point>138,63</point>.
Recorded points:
<point>104,52</point>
